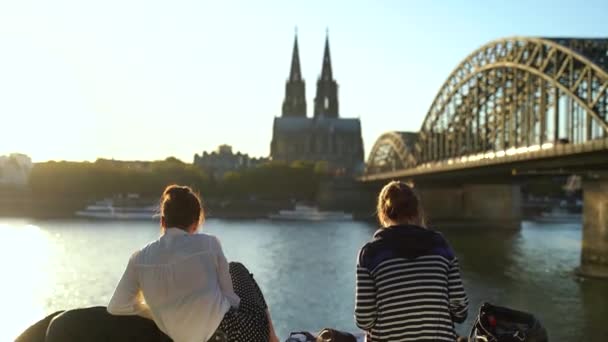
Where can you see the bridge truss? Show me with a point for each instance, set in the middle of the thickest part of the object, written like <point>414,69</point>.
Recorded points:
<point>512,96</point>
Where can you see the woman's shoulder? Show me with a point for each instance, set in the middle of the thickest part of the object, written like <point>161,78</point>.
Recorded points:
<point>363,251</point>
<point>149,247</point>
<point>204,236</point>
<point>438,236</point>
<point>406,243</point>
<point>205,239</point>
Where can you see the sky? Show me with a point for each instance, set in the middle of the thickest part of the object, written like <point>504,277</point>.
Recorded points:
<point>144,80</point>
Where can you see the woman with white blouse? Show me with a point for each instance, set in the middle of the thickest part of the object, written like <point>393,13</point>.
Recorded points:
<point>184,283</point>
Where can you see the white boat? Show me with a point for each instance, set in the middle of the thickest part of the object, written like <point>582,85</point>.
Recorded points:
<point>109,210</point>
<point>308,213</point>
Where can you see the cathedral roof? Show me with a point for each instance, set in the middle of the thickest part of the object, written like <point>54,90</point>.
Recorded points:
<point>294,124</point>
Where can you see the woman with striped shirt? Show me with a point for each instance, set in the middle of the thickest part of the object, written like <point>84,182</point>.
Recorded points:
<point>408,279</point>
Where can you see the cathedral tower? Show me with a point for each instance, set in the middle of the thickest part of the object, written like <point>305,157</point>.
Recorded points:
<point>294,104</point>
<point>326,101</point>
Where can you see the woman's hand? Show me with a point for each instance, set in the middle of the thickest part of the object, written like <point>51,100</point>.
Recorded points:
<point>272,335</point>
<point>273,338</point>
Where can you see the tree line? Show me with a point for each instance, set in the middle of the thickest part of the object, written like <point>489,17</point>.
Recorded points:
<point>107,178</point>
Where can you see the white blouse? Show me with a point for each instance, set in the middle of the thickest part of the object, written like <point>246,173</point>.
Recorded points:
<point>181,281</point>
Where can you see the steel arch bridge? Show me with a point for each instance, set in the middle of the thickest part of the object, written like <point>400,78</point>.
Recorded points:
<point>392,151</point>
<point>512,99</point>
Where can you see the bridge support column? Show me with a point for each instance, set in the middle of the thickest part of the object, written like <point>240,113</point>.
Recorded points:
<point>594,252</point>
<point>473,205</point>
<point>495,205</point>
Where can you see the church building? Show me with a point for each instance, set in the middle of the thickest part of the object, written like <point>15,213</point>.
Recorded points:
<point>325,136</point>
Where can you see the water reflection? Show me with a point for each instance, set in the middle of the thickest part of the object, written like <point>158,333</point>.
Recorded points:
<point>533,270</point>
<point>306,270</point>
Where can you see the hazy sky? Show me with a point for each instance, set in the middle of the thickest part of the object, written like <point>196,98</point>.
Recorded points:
<point>150,79</point>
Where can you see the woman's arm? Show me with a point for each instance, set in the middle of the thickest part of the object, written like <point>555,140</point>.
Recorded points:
<point>459,303</point>
<point>365,299</point>
<point>223,271</point>
<point>127,298</point>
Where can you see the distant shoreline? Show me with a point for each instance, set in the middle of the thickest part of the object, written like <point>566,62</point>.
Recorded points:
<point>19,203</point>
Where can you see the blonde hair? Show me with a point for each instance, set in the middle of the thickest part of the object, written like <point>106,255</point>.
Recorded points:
<point>398,203</point>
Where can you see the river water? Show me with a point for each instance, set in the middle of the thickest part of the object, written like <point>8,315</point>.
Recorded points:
<point>306,270</point>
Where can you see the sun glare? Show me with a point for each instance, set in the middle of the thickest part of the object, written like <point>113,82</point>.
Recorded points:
<point>25,253</point>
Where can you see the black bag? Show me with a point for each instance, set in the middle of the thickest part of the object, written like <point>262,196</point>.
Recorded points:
<point>500,324</point>
<point>326,335</point>
<point>301,336</point>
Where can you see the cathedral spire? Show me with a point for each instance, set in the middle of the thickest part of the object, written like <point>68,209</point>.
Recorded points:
<point>294,104</point>
<point>326,74</point>
<point>295,74</point>
<point>326,100</point>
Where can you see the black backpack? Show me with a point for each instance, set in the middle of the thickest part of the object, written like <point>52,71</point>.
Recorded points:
<point>500,324</point>
<point>325,335</point>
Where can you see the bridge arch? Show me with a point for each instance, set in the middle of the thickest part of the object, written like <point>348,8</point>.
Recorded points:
<point>519,93</point>
<point>392,151</point>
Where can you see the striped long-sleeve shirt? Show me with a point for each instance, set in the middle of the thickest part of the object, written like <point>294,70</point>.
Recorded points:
<point>409,287</point>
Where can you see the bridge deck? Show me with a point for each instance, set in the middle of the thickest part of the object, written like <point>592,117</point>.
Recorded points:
<point>512,156</point>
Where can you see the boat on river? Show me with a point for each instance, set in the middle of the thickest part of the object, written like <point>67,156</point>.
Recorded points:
<point>309,213</point>
<point>119,209</point>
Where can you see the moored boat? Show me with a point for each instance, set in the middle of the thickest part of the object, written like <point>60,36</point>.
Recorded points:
<point>309,213</point>
<point>109,209</point>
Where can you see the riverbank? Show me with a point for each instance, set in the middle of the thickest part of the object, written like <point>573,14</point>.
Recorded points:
<point>22,203</point>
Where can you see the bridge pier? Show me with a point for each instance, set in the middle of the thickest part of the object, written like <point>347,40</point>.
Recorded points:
<point>473,205</point>
<point>594,252</point>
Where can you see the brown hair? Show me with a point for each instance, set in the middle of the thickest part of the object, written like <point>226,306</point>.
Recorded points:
<point>181,207</point>
<point>398,203</point>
